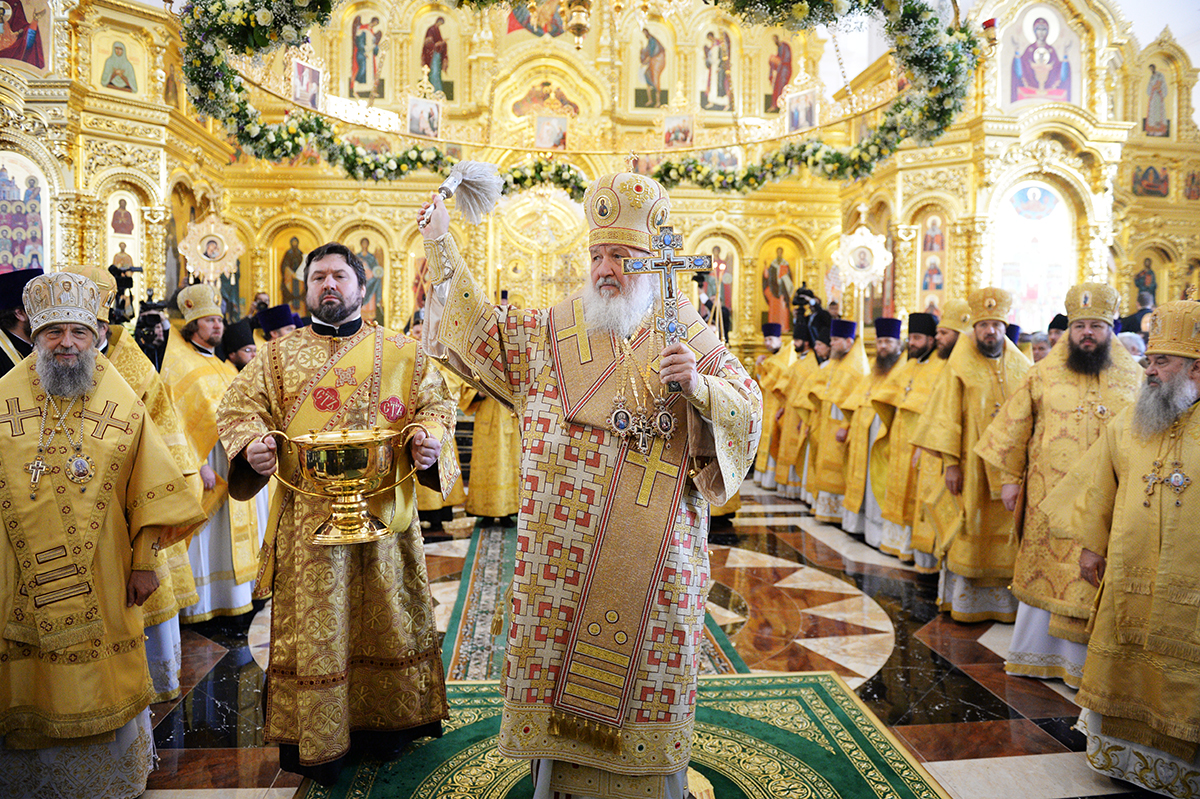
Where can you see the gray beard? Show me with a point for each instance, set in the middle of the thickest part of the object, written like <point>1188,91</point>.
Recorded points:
<point>64,380</point>
<point>622,314</point>
<point>834,355</point>
<point>1158,408</point>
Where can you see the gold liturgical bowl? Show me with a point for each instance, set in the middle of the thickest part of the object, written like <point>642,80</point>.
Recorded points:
<point>345,467</point>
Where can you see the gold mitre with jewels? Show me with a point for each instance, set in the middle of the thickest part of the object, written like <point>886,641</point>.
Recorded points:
<point>625,208</point>
<point>1092,301</point>
<point>104,281</point>
<point>1175,329</point>
<point>990,305</point>
<point>956,315</point>
<point>61,298</point>
<point>198,301</point>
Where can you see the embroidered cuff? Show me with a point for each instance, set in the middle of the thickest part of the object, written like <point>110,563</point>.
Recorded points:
<point>444,258</point>
<point>701,396</point>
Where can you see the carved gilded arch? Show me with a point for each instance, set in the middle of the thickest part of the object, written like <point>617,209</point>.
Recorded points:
<point>542,59</point>
<point>26,144</point>
<point>278,223</point>
<point>712,228</point>
<point>120,178</point>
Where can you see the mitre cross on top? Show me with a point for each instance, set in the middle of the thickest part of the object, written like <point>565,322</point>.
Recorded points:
<point>667,264</point>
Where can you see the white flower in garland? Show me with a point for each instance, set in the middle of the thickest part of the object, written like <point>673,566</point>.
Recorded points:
<point>264,17</point>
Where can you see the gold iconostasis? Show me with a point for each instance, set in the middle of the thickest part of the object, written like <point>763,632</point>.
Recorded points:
<point>1076,157</point>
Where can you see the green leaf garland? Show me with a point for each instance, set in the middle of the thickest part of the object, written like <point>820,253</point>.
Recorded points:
<point>938,61</point>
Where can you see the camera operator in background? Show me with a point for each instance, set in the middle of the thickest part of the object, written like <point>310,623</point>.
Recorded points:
<point>151,332</point>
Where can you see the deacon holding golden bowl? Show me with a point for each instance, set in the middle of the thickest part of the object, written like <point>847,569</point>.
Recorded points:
<point>355,660</point>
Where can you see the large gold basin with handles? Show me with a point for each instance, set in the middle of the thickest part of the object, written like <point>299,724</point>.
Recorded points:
<point>345,467</point>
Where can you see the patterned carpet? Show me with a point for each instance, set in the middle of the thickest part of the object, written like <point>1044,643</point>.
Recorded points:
<point>757,737</point>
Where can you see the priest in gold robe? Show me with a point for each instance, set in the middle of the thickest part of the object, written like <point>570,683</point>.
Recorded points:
<point>802,401</point>
<point>1043,429</point>
<point>222,554</point>
<point>77,573</point>
<point>355,663</point>
<point>769,371</point>
<point>618,477</point>
<point>829,392</point>
<point>931,475</point>
<point>1133,502</point>
<point>898,421</point>
<point>976,530</point>
<point>176,586</point>
<point>791,426</point>
<point>866,466</point>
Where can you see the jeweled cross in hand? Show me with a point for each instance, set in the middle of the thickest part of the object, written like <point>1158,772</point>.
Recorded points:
<point>668,265</point>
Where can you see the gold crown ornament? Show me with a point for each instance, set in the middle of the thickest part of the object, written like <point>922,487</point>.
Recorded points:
<point>198,301</point>
<point>1092,301</point>
<point>1175,329</point>
<point>990,305</point>
<point>61,298</point>
<point>107,284</point>
<point>624,208</point>
<point>956,315</point>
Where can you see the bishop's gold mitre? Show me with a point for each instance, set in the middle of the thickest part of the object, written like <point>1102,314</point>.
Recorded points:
<point>956,315</point>
<point>198,301</point>
<point>625,208</point>
<point>1092,301</point>
<point>1175,329</point>
<point>990,304</point>
<point>61,298</point>
<point>104,281</point>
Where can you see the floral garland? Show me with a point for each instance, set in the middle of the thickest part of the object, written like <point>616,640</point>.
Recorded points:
<point>938,62</point>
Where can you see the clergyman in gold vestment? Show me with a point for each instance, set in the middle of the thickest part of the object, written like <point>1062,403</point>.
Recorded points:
<point>88,489</point>
<point>355,663</point>
<point>898,421</point>
<point>866,463</point>
<point>222,553</point>
<point>829,389</point>
<point>976,532</point>
<point>611,575</point>
<point>1052,418</point>
<point>176,586</point>
<point>1133,501</point>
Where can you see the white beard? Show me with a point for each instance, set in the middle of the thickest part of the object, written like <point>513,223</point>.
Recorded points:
<point>1156,409</point>
<point>624,313</point>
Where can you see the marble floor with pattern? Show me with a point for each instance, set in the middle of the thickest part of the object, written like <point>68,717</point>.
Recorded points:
<point>793,595</point>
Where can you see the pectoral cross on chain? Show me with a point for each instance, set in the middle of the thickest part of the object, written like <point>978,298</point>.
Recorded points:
<point>35,469</point>
<point>668,265</point>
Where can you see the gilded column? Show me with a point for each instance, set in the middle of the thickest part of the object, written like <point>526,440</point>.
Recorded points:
<point>91,215</point>
<point>905,293</point>
<point>259,277</point>
<point>155,218</point>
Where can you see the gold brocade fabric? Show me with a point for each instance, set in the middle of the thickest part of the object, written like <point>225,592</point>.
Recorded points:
<point>176,584</point>
<point>791,432</point>
<point>964,402</point>
<point>197,383</point>
<point>597,514</point>
<point>495,488</point>
<point>897,492</point>
<point>930,477</point>
<point>1041,432</point>
<point>825,395</point>
<point>353,640</point>
<point>431,499</point>
<point>72,662</point>
<point>807,407</point>
<point>860,414</point>
<point>1143,663</point>
<point>769,373</point>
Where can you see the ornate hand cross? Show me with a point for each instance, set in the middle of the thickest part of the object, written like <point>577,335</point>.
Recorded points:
<point>668,265</point>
